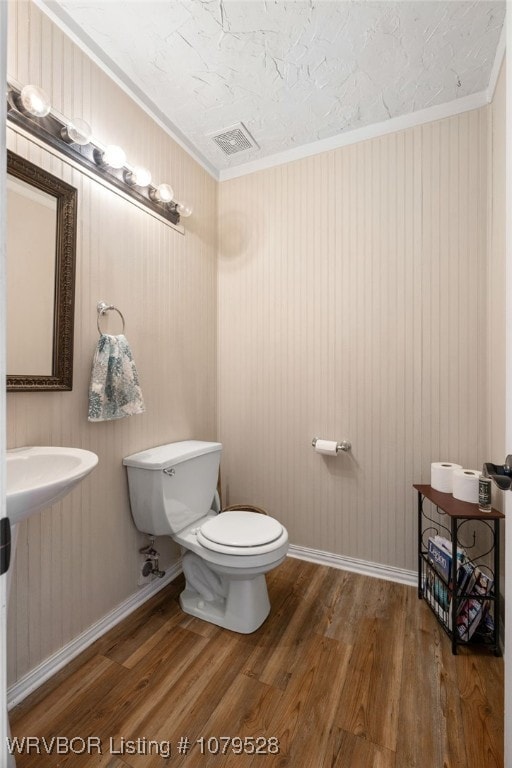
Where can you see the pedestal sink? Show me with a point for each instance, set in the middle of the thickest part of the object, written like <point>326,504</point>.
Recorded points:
<point>37,477</point>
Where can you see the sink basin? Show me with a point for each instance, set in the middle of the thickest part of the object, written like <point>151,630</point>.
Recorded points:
<point>40,476</point>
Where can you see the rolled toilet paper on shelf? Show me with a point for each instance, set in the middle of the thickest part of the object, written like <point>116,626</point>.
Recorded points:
<point>441,475</point>
<point>327,447</point>
<point>465,485</point>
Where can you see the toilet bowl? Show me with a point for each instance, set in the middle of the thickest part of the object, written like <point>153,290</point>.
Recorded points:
<point>225,556</point>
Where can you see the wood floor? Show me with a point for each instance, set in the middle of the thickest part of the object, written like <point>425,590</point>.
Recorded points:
<point>347,672</point>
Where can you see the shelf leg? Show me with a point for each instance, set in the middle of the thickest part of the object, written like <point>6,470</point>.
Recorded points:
<point>420,536</point>
<point>496,587</point>
<point>454,585</point>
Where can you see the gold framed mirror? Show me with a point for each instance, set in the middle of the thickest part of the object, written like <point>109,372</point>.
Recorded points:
<point>41,255</point>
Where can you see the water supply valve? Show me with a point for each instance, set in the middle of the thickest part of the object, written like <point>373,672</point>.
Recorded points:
<point>150,566</point>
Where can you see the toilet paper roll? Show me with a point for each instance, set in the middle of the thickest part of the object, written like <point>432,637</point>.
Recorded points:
<point>327,447</point>
<point>465,485</point>
<point>441,475</point>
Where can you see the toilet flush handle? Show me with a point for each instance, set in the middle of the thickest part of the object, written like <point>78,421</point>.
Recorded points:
<point>169,471</point>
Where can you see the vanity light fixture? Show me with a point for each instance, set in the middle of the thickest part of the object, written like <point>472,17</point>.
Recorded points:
<point>112,156</point>
<point>184,209</point>
<point>29,108</point>
<point>35,101</point>
<point>77,131</point>
<point>161,194</point>
<point>138,176</point>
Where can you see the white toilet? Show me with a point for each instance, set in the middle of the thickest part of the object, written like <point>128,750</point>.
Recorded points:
<point>227,555</point>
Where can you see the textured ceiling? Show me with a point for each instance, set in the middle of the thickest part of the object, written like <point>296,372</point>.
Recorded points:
<point>293,72</point>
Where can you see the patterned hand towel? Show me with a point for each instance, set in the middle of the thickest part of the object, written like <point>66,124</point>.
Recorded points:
<point>114,391</point>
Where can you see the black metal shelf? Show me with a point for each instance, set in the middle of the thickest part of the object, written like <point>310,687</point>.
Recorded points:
<point>456,605</point>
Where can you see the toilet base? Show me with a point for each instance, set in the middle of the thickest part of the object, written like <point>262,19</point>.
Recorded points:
<point>243,610</point>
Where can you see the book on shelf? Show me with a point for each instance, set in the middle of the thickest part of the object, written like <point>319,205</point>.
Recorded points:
<point>474,608</point>
<point>485,629</point>
<point>438,582</point>
<point>436,594</point>
<point>440,554</point>
<point>465,574</point>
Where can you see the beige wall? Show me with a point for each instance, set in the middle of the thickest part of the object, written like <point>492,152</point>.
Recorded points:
<point>496,291</point>
<point>496,275</point>
<point>352,305</point>
<point>78,560</point>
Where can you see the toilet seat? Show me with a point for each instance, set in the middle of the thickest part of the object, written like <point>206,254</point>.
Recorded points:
<point>240,533</point>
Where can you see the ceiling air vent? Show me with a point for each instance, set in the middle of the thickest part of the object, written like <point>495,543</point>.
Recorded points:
<point>234,139</point>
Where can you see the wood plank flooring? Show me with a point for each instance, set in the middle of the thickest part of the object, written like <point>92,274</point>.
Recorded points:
<point>347,672</point>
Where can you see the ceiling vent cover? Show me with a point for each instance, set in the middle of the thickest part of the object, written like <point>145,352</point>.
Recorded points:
<point>234,139</point>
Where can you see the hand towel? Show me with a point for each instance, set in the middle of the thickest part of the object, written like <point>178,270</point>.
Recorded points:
<point>114,391</point>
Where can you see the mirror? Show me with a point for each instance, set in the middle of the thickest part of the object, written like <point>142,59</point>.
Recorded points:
<point>41,251</point>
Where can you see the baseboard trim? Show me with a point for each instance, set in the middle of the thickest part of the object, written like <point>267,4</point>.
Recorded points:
<point>50,666</point>
<point>364,567</point>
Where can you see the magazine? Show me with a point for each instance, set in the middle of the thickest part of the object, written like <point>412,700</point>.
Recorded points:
<point>435,592</point>
<point>474,607</point>
<point>438,592</point>
<point>440,555</point>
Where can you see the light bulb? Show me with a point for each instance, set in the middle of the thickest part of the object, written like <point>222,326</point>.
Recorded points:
<point>113,156</point>
<point>184,209</point>
<point>162,194</point>
<point>77,131</point>
<point>139,176</point>
<point>35,101</point>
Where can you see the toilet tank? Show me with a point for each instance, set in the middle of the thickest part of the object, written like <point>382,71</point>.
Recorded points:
<point>172,485</point>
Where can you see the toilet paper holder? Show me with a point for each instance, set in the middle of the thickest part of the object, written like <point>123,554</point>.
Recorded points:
<point>344,445</point>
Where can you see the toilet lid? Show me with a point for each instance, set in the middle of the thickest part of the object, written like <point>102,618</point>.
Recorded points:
<point>241,529</point>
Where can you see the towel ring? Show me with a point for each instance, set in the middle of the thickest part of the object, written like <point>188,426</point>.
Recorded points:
<point>102,308</point>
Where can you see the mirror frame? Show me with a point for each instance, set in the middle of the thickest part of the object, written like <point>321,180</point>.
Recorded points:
<point>61,377</point>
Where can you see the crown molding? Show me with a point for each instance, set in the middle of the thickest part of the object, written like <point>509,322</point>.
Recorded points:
<point>393,125</point>
<point>498,61</point>
<point>72,30</point>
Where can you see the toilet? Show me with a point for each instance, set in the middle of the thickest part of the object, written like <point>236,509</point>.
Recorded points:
<point>227,555</point>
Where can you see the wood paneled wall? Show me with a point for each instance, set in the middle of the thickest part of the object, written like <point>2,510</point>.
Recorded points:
<point>496,307</point>
<point>496,270</point>
<point>353,305</point>
<point>78,560</point>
